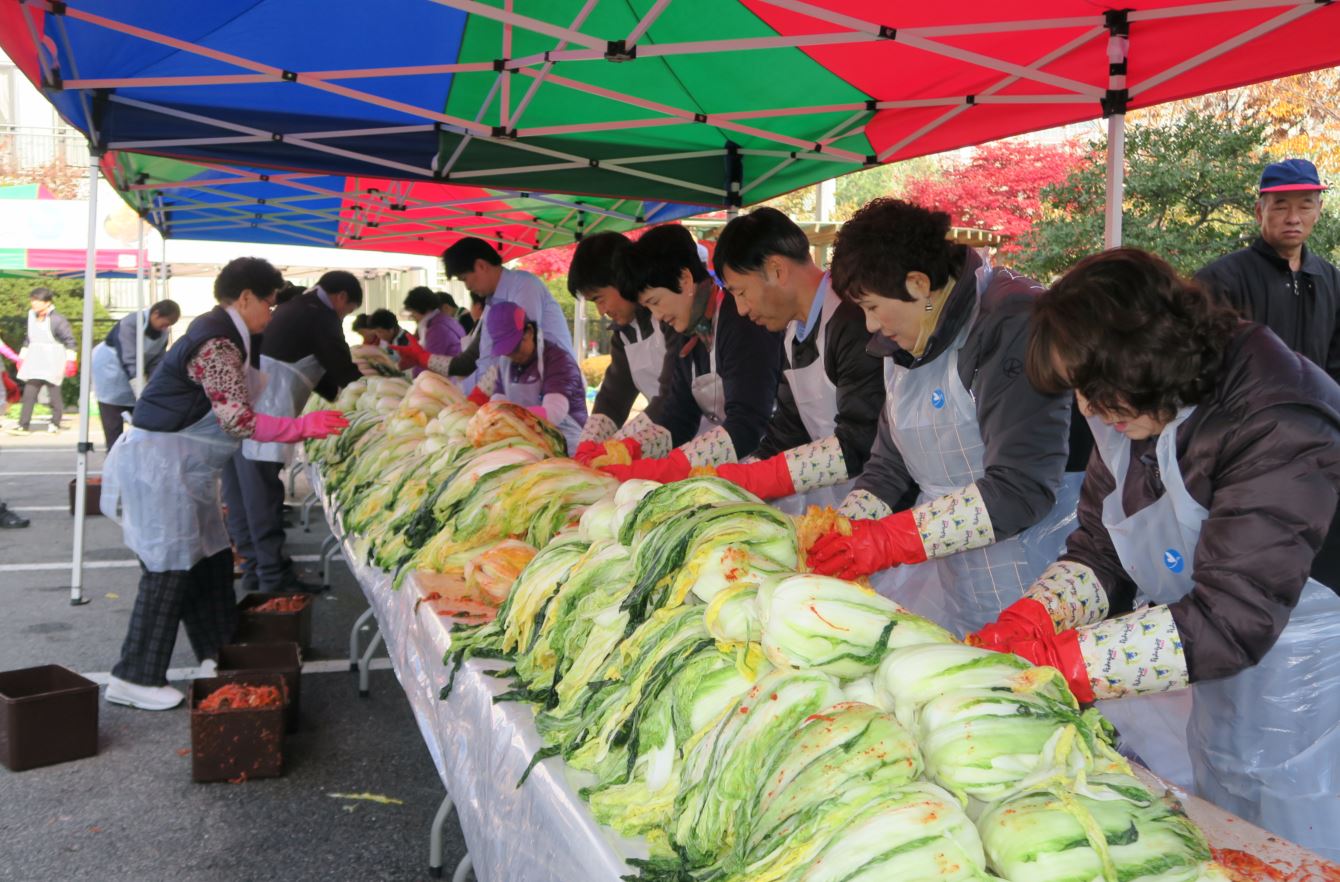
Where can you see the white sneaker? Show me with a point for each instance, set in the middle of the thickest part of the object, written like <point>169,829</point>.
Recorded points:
<point>208,668</point>
<point>142,697</point>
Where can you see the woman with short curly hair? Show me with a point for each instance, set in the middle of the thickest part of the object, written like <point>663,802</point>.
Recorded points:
<point>1215,477</point>
<point>961,424</point>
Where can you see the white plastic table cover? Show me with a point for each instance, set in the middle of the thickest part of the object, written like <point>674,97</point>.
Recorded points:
<point>539,832</point>
<point>544,831</point>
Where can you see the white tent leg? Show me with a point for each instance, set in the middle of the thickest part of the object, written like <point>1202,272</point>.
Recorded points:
<point>141,307</point>
<point>579,328</point>
<point>1116,189</point>
<point>85,382</point>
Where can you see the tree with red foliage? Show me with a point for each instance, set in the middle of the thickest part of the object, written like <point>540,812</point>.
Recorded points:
<point>999,189</point>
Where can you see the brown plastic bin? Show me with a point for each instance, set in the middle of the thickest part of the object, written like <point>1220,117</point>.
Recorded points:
<point>267,658</point>
<point>236,745</point>
<point>254,627</point>
<point>92,497</point>
<point>48,714</point>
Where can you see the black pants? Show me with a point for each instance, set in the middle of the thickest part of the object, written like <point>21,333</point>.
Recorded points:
<point>254,494</point>
<point>30,390</point>
<point>201,598</point>
<point>113,420</point>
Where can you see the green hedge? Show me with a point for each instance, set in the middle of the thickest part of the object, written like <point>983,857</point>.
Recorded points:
<point>69,303</point>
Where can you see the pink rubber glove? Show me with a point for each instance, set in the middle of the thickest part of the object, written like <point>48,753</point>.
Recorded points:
<point>8,353</point>
<point>71,368</point>
<point>539,411</point>
<point>287,430</point>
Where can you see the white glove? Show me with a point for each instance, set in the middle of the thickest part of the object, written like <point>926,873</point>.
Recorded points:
<point>488,381</point>
<point>137,386</point>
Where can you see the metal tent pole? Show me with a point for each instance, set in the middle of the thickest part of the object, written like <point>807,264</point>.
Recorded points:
<point>141,312</point>
<point>85,382</point>
<point>1114,108</point>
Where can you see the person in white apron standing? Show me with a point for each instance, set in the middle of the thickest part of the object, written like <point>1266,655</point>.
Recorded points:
<point>543,379</point>
<point>961,424</point>
<point>722,384</point>
<point>831,391</point>
<point>161,482</point>
<point>303,350</point>
<point>49,355</point>
<point>639,351</point>
<point>1217,477</point>
<point>115,362</point>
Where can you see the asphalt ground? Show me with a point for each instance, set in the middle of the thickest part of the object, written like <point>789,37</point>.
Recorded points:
<point>132,811</point>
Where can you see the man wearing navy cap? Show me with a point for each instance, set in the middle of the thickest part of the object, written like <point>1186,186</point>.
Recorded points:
<point>1278,282</point>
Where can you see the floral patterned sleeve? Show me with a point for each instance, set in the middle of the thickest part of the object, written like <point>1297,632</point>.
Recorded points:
<point>219,368</point>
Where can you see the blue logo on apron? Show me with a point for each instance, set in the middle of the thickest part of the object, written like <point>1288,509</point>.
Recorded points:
<point>1173,560</point>
<point>938,399</point>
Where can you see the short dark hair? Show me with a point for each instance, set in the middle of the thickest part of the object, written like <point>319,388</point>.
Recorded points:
<point>657,260</point>
<point>595,263</point>
<point>383,320</point>
<point>1130,334</point>
<point>887,239</point>
<point>254,274</point>
<point>46,295</point>
<point>752,238</point>
<point>167,309</point>
<point>460,257</point>
<point>337,281</point>
<point>445,299</point>
<point>476,299</point>
<point>288,292</point>
<point>361,321</point>
<point>422,300</point>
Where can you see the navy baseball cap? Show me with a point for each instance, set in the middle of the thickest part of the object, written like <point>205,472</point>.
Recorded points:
<point>1290,174</point>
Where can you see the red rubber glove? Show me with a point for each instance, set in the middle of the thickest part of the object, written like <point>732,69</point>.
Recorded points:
<point>71,368</point>
<point>873,545</point>
<point>1060,651</point>
<point>767,479</point>
<point>1025,619</point>
<point>478,396</point>
<point>287,430</point>
<point>412,354</point>
<point>674,467</point>
<point>609,453</point>
<point>588,450</point>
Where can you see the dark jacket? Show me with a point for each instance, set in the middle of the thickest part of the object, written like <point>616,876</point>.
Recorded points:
<point>858,376</point>
<point>618,391</point>
<point>749,360</point>
<point>305,326</point>
<point>1025,433</point>
<point>121,340</point>
<point>60,329</point>
<point>172,400</point>
<point>1263,456</point>
<point>1303,308</point>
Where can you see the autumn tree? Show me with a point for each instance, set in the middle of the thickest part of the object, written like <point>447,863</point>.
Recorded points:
<point>999,188</point>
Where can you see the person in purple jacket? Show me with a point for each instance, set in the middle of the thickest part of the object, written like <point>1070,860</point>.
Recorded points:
<point>543,379</point>
<point>438,333</point>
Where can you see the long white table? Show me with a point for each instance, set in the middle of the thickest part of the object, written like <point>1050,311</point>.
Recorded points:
<point>543,830</point>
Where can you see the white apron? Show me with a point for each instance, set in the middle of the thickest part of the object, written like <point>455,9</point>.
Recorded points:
<point>167,486</point>
<point>708,390</point>
<point>1263,743</point>
<point>816,400</point>
<point>287,388</point>
<point>43,357</point>
<point>109,378</point>
<point>646,359</point>
<point>933,421</point>
<point>531,393</point>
